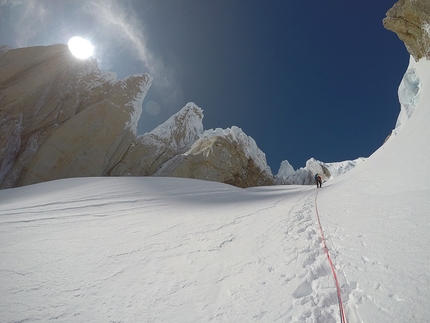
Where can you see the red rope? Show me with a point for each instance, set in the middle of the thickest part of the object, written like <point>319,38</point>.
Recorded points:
<point>339,297</point>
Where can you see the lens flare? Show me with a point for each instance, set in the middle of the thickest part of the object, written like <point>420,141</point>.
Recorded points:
<point>153,108</point>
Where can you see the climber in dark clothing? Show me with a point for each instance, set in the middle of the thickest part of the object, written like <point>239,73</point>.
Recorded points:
<point>318,180</point>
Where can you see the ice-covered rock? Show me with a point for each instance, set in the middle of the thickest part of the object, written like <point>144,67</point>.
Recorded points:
<point>305,175</point>
<point>222,155</point>
<point>409,96</point>
<point>62,117</point>
<point>150,150</point>
<point>288,176</point>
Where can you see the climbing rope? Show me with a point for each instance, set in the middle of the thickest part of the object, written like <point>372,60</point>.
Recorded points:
<point>339,297</point>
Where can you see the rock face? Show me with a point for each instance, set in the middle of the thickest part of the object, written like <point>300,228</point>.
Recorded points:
<point>62,117</point>
<point>227,156</point>
<point>180,148</point>
<point>410,20</point>
<point>149,151</point>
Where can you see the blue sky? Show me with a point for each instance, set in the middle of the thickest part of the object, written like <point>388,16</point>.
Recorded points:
<point>303,78</point>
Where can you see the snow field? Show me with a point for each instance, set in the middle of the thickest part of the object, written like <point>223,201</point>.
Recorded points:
<point>162,250</point>
<point>382,242</point>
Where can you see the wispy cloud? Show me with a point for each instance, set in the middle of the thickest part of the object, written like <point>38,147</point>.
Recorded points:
<point>25,19</point>
<point>120,20</point>
<point>112,24</point>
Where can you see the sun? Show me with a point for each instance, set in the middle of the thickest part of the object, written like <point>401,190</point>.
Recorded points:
<point>80,47</point>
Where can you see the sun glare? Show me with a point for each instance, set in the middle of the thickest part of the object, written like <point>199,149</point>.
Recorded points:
<point>80,47</point>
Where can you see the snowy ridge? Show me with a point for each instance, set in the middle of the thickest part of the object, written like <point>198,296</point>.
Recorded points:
<point>305,175</point>
<point>339,168</point>
<point>185,128</point>
<point>182,129</point>
<point>288,176</point>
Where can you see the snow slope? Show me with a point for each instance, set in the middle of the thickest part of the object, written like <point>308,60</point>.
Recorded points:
<point>179,250</point>
<point>378,214</point>
<point>161,250</point>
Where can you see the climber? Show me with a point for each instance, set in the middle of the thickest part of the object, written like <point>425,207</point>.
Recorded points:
<point>318,180</point>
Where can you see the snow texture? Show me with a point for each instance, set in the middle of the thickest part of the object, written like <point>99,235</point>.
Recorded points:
<point>148,249</point>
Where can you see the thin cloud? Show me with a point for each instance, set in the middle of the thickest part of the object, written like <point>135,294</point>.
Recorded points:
<point>122,24</point>
<point>112,25</point>
<point>26,19</point>
<point>121,20</point>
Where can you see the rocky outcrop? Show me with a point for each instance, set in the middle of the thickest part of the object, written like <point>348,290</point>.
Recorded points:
<point>180,148</point>
<point>149,151</point>
<point>410,20</point>
<point>62,117</point>
<point>227,156</point>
